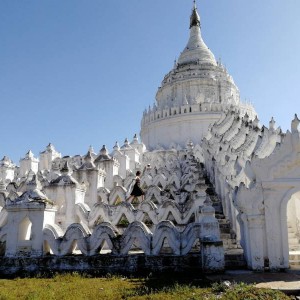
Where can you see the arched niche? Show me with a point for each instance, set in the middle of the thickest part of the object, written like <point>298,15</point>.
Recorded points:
<point>25,229</point>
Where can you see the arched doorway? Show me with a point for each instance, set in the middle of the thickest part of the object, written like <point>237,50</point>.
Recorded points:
<point>293,228</point>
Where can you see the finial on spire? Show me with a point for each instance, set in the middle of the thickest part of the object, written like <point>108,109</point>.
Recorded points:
<point>272,124</point>
<point>91,149</point>
<point>175,63</point>
<point>195,18</point>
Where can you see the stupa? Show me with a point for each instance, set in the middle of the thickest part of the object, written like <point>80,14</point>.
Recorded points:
<point>220,189</point>
<point>192,96</point>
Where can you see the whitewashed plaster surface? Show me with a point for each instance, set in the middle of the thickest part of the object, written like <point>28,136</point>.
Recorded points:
<point>197,133</point>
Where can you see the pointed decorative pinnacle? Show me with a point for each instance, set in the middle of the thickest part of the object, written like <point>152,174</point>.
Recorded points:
<point>190,145</point>
<point>195,18</point>
<point>135,139</point>
<point>88,157</point>
<point>295,124</point>
<point>116,146</point>
<point>50,147</point>
<point>255,122</point>
<point>91,149</point>
<point>272,123</point>
<point>5,161</point>
<point>65,169</point>
<point>103,150</point>
<point>207,201</point>
<point>29,154</point>
<point>175,63</point>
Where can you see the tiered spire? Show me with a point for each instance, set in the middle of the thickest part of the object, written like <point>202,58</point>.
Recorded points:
<point>196,50</point>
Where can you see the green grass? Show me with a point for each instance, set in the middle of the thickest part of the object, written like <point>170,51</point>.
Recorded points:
<point>75,286</point>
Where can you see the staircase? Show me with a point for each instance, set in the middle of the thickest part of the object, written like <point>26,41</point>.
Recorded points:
<point>234,254</point>
<point>294,247</point>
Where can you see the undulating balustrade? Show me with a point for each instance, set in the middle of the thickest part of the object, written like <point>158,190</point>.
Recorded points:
<point>176,217</point>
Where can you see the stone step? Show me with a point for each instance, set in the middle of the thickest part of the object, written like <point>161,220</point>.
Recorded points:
<point>294,255</point>
<point>223,221</point>
<point>224,230</point>
<point>219,216</point>
<point>215,199</point>
<point>293,248</point>
<point>292,235</point>
<point>201,180</point>
<point>293,241</point>
<point>295,245</point>
<point>225,236</point>
<point>230,247</point>
<point>294,263</point>
<point>229,241</point>
<point>218,207</point>
<point>224,224</point>
<point>294,258</point>
<point>234,259</point>
<point>214,195</point>
<point>234,254</point>
<point>210,191</point>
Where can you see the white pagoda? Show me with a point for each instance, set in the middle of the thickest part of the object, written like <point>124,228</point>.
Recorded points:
<point>220,189</point>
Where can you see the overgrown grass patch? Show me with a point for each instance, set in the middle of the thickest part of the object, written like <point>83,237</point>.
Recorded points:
<point>75,286</point>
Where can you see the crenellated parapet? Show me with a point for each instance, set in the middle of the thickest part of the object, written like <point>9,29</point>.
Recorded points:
<point>156,114</point>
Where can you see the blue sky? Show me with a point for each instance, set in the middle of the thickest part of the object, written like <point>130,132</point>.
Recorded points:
<point>79,73</point>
